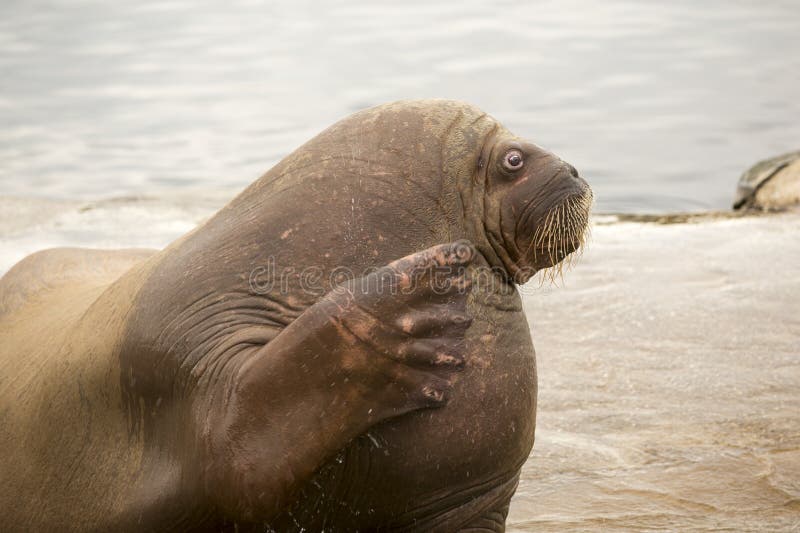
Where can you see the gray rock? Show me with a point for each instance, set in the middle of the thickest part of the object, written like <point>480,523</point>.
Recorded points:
<point>772,184</point>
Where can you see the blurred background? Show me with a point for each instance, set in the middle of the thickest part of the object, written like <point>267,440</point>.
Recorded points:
<point>661,106</point>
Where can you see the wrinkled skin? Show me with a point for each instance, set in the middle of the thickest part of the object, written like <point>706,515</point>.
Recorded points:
<point>181,390</point>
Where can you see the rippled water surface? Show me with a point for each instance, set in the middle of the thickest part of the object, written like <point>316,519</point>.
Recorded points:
<point>661,105</point>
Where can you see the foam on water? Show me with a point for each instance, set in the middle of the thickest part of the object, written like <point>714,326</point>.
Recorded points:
<point>669,371</point>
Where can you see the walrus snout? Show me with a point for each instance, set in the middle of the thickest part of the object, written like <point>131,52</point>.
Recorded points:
<point>545,217</point>
<point>571,170</point>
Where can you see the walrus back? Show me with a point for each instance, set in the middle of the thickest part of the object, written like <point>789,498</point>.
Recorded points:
<point>58,386</point>
<point>42,299</point>
<point>48,269</point>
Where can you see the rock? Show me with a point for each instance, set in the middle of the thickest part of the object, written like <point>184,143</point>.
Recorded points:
<point>770,185</point>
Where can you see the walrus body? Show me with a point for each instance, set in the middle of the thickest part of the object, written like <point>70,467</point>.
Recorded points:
<point>225,382</point>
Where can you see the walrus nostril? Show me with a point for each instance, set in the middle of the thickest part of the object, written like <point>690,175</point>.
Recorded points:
<point>572,170</point>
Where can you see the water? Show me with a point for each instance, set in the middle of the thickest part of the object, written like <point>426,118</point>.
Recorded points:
<point>660,105</point>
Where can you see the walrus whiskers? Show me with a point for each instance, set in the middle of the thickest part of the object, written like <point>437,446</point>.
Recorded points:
<point>565,226</point>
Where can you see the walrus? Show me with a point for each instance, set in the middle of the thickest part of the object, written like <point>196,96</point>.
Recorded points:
<point>341,347</point>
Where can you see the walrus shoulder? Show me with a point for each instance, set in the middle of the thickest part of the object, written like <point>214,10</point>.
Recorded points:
<point>55,267</point>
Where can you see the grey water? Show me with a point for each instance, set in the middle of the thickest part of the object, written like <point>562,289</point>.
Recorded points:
<point>660,105</point>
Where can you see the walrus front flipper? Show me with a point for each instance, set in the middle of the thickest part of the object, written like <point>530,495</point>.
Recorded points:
<point>378,347</point>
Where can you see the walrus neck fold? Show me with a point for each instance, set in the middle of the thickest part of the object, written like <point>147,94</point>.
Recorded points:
<point>481,211</point>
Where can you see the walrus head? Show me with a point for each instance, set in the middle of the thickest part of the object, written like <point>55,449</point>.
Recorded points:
<point>536,206</point>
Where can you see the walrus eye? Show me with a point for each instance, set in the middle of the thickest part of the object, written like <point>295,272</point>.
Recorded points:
<point>513,160</point>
